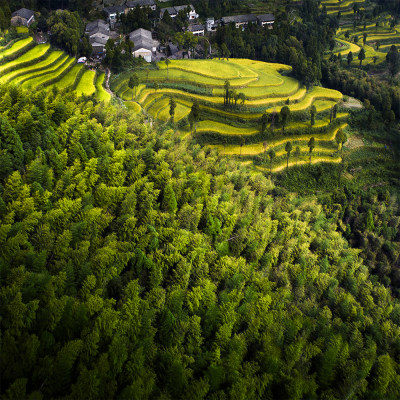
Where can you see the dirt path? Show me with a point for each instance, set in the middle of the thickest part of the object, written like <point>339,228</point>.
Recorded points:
<point>107,83</point>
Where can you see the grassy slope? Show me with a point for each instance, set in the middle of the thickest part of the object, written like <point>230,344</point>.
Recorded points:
<point>101,92</point>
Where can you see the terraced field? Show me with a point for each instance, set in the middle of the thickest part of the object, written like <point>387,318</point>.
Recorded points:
<point>31,66</point>
<point>344,6</point>
<point>236,129</point>
<point>380,36</point>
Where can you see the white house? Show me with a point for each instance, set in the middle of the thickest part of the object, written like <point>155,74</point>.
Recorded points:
<point>144,44</point>
<point>211,25</point>
<point>197,30</point>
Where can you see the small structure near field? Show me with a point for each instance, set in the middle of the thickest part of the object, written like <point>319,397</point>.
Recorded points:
<point>23,16</point>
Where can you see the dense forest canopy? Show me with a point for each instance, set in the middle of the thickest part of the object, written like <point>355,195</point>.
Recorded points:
<point>136,263</point>
<point>135,266</point>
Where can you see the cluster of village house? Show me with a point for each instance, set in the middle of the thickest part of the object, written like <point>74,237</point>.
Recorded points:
<point>144,44</point>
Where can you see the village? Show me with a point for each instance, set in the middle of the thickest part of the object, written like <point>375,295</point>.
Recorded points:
<point>147,43</point>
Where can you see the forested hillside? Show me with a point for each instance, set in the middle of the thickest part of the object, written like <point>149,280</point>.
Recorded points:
<point>134,265</point>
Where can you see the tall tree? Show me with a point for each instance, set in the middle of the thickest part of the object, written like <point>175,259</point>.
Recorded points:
<point>341,138</point>
<point>297,153</point>
<point>311,146</point>
<point>285,115</point>
<point>172,106</point>
<point>393,60</point>
<point>361,56</point>
<point>227,87</point>
<point>288,149</point>
<point>167,62</point>
<point>271,155</point>
<point>264,120</point>
<point>313,113</point>
<point>349,57</point>
<point>133,82</point>
<point>195,114</point>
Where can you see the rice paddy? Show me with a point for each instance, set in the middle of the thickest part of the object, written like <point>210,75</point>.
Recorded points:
<point>32,66</point>
<point>267,89</point>
<point>86,84</point>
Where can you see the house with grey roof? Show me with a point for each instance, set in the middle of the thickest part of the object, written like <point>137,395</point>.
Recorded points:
<point>96,26</point>
<point>240,21</point>
<point>196,29</point>
<point>113,12</point>
<point>141,3</point>
<point>173,11</point>
<point>23,16</point>
<point>144,44</point>
<point>98,32</point>
<point>266,19</point>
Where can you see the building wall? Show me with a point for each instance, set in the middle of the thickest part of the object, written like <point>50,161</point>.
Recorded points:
<point>146,54</point>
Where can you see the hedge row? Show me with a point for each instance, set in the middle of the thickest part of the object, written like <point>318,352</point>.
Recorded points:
<point>182,86</point>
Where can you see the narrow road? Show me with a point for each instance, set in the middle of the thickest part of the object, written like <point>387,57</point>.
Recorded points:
<point>107,84</point>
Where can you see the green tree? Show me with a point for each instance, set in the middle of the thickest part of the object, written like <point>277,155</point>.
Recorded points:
<point>227,87</point>
<point>167,62</point>
<point>313,113</point>
<point>169,202</point>
<point>288,149</point>
<point>311,146</point>
<point>242,141</point>
<point>242,97</point>
<point>133,82</point>
<point>271,155</point>
<point>297,153</point>
<point>361,56</point>
<point>264,121</point>
<point>195,114</point>
<point>172,106</point>
<point>285,115</point>
<point>341,138</point>
<point>393,60</point>
<point>225,51</point>
<point>265,145</point>
<point>349,57</point>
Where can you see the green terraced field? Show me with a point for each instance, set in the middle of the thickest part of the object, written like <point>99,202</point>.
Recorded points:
<point>31,70</point>
<point>31,55</point>
<point>50,75</point>
<point>133,107</point>
<point>17,46</point>
<point>69,79</point>
<point>86,84</point>
<point>50,69</point>
<point>39,66</point>
<point>267,88</point>
<point>101,92</point>
<point>382,33</point>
